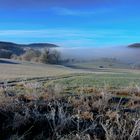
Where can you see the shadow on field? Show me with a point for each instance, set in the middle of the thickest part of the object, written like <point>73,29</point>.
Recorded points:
<point>7,62</point>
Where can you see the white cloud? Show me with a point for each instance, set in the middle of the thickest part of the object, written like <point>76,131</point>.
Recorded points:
<point>74,12</point>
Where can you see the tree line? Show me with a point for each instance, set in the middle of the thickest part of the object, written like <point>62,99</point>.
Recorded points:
<point>48,56</point>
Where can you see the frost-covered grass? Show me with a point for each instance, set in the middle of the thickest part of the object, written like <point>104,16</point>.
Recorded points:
<point>32,111</point>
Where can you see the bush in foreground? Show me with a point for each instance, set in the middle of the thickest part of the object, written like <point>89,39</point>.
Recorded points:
<point>51,116</point>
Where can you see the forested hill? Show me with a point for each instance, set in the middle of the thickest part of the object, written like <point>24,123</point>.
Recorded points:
<point>9,48</point>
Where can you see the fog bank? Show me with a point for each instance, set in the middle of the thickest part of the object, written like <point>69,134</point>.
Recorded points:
<point>88,53</point>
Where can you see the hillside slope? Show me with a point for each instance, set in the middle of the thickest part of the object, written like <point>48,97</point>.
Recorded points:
<point>135,45</point>
<point>8,48</point>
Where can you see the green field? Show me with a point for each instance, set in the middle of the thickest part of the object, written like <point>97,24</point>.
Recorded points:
<point>105,63</point>
<point>84,74</point>
<point>100,80</point>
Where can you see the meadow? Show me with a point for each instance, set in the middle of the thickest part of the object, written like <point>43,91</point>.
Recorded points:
<point>53,102</point>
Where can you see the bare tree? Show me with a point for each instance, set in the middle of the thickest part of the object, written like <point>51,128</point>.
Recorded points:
<point>51,56</point>
<point>31,54</point>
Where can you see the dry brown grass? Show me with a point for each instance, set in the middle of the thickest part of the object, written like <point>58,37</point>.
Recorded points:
<point>31,112</point>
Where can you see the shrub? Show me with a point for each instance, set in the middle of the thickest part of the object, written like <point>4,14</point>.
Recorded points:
<point>50,56</point>
<point>31,54</point>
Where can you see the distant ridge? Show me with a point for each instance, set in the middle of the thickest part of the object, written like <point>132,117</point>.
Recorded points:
<point>9,48</point>
<point>135,45</point>
<point>32,45</point>
<point>42,45</point>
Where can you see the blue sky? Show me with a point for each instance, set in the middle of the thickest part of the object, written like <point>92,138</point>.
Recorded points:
<point>71,23</point>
